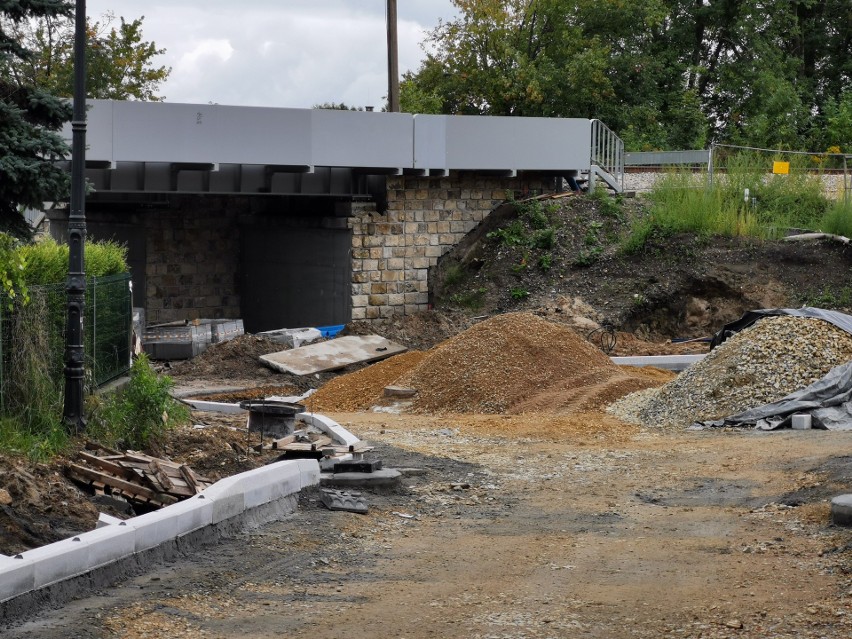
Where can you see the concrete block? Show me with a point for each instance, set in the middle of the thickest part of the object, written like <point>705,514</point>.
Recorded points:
<point>165,524</point>
<point>263,485</point>
<point>801,422</point>
<point>841,511</point>
<point>17,576</point>
<point>309,472</point>
<point>338,434</point>
<point>58,561</point>
<point>110,543</point>
<point>226,498</point>
<point>343,500</point>
<point>379,478</point>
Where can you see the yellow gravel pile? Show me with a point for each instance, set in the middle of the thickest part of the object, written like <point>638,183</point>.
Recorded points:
<point>502,364</point>
<point>361,389</point>
<point>513,363</point>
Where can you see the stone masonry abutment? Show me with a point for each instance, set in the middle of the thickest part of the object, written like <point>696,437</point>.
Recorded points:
<point>425,218</point>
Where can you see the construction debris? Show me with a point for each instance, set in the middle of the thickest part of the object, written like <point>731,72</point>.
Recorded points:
<point>140,479</point>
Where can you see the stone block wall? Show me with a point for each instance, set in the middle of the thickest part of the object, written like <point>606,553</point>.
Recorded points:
<point>425,218</point>
<point>193,260</point>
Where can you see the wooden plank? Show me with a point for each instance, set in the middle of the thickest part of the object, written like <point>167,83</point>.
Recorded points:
<point>278,443</point>
<point>115,482</point>
<point>137,457</point>
<point>105,464</point>
<point>90,445</point>
<point>320,442</point>
<point>307,446</point>
<point>162,477</point>
<point>186,471</point>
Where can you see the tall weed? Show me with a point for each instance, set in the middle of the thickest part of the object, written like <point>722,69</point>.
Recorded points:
<point>141,413</point>
<point>745,201</point>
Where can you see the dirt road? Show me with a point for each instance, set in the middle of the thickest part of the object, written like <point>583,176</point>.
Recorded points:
<point>525,527</point>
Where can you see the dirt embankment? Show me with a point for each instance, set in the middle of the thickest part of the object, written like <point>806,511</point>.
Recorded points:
<point>565,262</point>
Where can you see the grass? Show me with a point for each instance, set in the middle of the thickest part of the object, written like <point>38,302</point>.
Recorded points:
<point>838,219</point>
<point>744,201</point>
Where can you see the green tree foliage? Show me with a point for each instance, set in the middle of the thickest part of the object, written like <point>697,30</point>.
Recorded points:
<point>663,73</point>
<point>337,106</point>
<point>29,120</point>
<point>119,63</point>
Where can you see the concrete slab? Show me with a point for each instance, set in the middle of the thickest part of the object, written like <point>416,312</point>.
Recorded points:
<point>841,511</point>
<point>380,478</point>
<point>335,353</point>
<point>669,362</point>
<point>107,520</point>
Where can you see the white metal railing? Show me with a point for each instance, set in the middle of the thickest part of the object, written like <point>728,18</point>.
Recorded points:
<point>607,153</point>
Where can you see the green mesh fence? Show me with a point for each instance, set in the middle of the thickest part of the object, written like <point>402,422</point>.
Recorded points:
<point>39,327</point>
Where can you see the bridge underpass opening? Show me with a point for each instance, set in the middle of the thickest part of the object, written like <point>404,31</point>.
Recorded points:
<point>293,277</point>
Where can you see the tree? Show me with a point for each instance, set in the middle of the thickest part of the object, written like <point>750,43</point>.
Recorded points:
<point>337,106</point>
<point>29,120</point>
<point>662,73</point>
<point>119,63</point>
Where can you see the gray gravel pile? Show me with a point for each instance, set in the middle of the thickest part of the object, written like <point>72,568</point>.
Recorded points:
<point>761,364</point>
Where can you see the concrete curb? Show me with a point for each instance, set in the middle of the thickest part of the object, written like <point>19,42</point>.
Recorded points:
<point>56,573</point>
<point>669,362</point>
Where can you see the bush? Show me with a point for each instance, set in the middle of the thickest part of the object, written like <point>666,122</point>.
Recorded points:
<point>46,262</point>
<point>141,413</point>
<point>838,219</point>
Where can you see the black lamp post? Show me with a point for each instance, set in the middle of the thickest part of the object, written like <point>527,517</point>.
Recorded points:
<point>75,286</point>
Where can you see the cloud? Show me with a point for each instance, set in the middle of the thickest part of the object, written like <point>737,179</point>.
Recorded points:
<point>293,53</point>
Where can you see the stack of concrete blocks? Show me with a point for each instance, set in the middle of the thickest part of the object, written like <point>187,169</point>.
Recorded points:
<point>235,500</point>
<point>425,218</point>
<point>186,342</point>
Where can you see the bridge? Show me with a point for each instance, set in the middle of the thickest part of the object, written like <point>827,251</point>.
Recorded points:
<point>291,217</point>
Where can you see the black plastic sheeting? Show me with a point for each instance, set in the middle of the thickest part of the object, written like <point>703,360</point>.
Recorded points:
<point>828,401</point>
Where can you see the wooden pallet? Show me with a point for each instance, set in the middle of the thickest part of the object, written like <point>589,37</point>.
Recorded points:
<point>139,478</point>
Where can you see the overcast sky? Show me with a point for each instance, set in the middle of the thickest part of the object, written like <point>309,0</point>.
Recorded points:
<point>284,53</point>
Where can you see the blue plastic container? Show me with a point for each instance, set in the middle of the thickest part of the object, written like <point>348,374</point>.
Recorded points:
<point>330,331</point>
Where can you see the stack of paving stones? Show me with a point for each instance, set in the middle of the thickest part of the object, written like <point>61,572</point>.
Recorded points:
<point>763,363</point>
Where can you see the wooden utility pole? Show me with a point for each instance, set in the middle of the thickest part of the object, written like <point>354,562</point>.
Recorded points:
<point>393,60</point>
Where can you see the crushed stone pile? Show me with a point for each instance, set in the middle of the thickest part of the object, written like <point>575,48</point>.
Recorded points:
<point>361,389</point>
<point>761,364</point>
<point>502,363</point>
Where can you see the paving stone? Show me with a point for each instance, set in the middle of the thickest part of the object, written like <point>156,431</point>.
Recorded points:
<point>349,501</point>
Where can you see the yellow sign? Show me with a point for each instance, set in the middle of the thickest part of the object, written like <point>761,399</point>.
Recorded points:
<point>781,168</point>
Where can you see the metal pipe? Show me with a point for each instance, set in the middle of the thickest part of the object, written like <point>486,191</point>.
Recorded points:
<point>76,283</point>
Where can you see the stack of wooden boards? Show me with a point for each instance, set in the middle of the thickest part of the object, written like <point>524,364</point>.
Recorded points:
<point>138,478</point>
